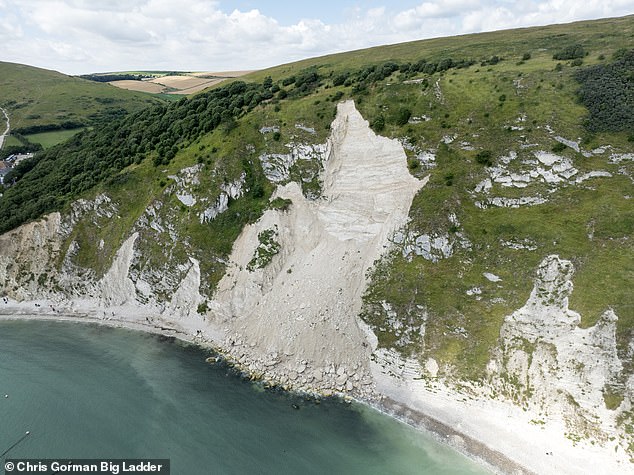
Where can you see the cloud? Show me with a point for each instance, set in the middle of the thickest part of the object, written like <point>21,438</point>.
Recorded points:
<point>78,36</point>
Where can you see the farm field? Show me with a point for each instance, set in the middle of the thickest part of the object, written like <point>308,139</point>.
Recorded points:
<point>185,83</point>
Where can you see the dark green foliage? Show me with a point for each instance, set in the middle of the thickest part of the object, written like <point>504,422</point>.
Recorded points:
<point>62,173</point>
<point>608,93</point>
<point>484,158</point>
<point>305,81</point>
<point>337,95</point>
<point>281,203</point>
<point>526,56</point>
<point>36,129</point>
<point>378,124</point>
<point>288,81</point>
<point>340,79</point>
<point>493,60</point>
<point>559,147</point>
<point>403,116</point>
<point>570,52</point>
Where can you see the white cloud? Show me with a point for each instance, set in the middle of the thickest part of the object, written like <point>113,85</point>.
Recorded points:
<point>84,35</point>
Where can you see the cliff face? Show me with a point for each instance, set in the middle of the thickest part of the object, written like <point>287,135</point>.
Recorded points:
<point>287,306</point>
<point>546,362</point>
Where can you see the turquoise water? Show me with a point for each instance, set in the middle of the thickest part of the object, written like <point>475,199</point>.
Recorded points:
<point>86,391</point>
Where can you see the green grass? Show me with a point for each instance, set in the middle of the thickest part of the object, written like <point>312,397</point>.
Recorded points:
<point>48,139</point>
<point>39,97</point>
<point>592,225</point>
<point>12,141</point>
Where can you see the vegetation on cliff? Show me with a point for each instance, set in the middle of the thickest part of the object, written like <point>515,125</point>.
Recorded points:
<point>528,150</point>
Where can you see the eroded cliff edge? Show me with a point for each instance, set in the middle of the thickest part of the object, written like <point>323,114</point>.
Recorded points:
<point>287,308</point>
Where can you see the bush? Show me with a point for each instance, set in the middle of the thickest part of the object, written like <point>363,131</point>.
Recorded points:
<point>403,116</point>
<point>378,124</point>
<point>484,158</point>
<point>526,56</point>
<point>281,204</point>
<point>559,147</point>
<point>570,52</point>
<point>607,90</point>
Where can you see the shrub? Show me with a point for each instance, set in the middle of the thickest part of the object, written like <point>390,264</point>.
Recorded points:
<point>608,93</point>
<point>570,52</point>
<point>281,204</point>
<point>378,124</point>
<point>484,158</point>
<point>403,115</point>
<point>559,147</point>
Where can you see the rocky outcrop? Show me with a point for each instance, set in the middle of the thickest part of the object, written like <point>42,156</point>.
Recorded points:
<point>294,317</point>
<point>548,363</point>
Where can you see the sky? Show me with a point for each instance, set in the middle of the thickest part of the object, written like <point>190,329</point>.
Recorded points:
<point>84,36</point>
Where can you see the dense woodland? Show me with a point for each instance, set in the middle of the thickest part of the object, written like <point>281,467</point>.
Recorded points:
<point>608,93</point>
<point>59,175</point>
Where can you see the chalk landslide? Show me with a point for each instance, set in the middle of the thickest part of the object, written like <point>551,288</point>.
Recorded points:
<point>293,317</point>
<point>294,320</point>
<point>297,318</point>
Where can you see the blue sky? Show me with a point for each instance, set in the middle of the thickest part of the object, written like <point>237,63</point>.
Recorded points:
<point>82,36</point>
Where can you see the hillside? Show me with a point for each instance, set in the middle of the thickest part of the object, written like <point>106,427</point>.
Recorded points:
<point>487,248</point>
<point>39,100</point>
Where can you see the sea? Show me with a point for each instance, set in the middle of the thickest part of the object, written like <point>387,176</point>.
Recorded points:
<point>91,392</point>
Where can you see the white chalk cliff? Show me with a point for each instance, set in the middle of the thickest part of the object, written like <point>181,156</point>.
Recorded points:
<point>295,320</point>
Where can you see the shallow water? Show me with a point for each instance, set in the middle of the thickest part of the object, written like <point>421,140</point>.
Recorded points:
<point>85,391</point>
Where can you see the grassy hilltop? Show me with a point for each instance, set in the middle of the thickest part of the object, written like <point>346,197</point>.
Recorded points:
<point>45,106</point>
<point>483,105</point>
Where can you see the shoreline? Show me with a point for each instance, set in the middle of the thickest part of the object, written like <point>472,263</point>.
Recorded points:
<point>475,450</point>
<point>496,435</point>
<point>468,446</point>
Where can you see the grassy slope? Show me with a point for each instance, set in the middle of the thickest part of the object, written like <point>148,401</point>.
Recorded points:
<point>460,330</point>
<point>605,36</point>
<point>34,96</point>
<point>471,109</point>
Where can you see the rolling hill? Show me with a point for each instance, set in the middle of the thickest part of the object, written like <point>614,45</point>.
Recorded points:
<point>39,100</point>
<point>269,214</point>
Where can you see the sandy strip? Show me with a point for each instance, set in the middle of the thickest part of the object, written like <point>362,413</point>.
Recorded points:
<point>500,433</point>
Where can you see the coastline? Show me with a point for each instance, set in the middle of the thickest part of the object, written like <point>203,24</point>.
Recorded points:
<point>471,448</point>
<point>483,431</point>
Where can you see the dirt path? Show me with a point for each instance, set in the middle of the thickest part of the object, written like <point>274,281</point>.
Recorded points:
<point>8,129</point>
